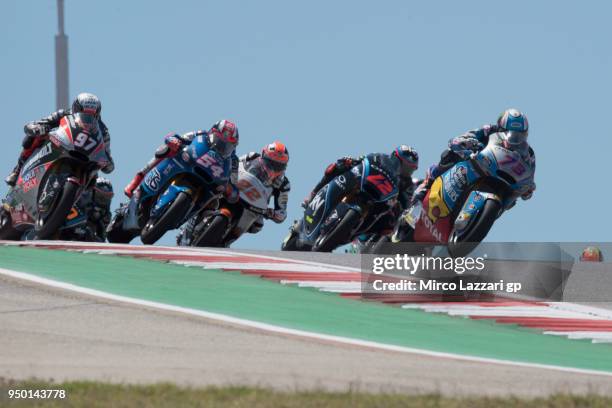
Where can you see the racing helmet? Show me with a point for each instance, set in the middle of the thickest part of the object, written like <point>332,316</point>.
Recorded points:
<point>515,125</point>
<point>103,192</point>
<point>408,159</point>
<point>275,157</point>
<point>87,103</point>
<point>223,137</point>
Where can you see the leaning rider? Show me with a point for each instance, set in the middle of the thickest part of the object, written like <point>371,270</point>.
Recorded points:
<point>407,160</point>
<point>461,147</point>
<point>37,132</point>
<point>221,138</point>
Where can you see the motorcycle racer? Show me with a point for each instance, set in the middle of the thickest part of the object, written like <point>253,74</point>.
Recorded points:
<point>408,161</point>
<point>273,160</point>
<point>512,121</point>
<point>222,137</point>
<point>37,132</point>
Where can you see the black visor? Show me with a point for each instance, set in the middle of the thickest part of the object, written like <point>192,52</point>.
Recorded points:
<point>87,122</point>
<point>220,146</point>
<point>516,138</point>
<point>274,165</point>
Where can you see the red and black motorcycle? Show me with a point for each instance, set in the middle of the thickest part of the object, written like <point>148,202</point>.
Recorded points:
<point>52,179</point>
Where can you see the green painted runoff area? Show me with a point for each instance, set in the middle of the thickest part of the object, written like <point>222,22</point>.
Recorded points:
<point>252,298</point>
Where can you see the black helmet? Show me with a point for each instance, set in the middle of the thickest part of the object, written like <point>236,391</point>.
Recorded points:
<point>408,158</point>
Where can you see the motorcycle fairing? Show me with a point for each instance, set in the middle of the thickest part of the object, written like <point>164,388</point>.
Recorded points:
<point>252,190</point>
<point>317,210</point>
<point>197,160</point>
<point>433,222</point>
<point>506,165</point>
<point>440,204</point>
<point>34,190</point>
<point>377,183</point>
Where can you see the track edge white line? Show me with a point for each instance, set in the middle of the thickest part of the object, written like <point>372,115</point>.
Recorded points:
<point>287,331</point>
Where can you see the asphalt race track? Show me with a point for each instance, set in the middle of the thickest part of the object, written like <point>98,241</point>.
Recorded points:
<point>53,333</point>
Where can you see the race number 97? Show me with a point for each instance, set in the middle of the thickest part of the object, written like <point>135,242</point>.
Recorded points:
<point>84,141</point>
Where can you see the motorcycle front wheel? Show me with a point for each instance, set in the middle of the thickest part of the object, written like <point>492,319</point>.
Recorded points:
<point>459,246</point>
<point>154,230</point>
<point>212,234</point>
<point>290,241</point>
<point>339,235</point>
<point>48,226</point>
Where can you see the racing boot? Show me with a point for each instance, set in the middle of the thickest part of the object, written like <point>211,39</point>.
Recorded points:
<point>12,178</point>
<point>130,222</point>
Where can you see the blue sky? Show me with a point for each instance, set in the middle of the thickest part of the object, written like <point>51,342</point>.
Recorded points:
<point>332,79</point>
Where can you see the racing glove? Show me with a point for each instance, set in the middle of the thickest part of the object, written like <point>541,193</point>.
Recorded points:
<point>528,192</point>
<point>465,145</point>
<point>173,142</point>
<point>277,216</point>
<point>36,129</point>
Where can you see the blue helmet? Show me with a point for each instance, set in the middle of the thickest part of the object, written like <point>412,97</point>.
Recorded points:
<point>408,158</point>
<point>513,120</point>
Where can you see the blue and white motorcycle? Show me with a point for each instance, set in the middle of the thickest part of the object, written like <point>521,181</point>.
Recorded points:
<point>172,192</point>
<point>465,201</point>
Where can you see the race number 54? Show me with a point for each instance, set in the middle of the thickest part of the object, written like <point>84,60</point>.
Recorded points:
<point>210,163</point>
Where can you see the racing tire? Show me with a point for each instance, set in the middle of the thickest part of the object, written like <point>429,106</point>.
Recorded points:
<point>212,234</point>
<point>117,235</point>
<point>6,227</point>
<point>153,231</point>
<point>58,214</point>
<point>381,247</point>
<point>339,235</point>
<point>478,231</point>
<point>290,242</point>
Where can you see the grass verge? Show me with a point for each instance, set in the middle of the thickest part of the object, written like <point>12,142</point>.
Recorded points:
<point>95,394</point>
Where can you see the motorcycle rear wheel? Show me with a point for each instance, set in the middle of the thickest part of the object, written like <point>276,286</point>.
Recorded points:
<point>153,231</point>
<point>212,234</point>
<point>340,235</point>
<point>47,228</point>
